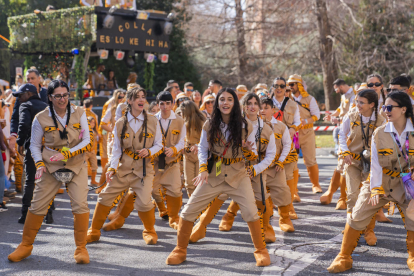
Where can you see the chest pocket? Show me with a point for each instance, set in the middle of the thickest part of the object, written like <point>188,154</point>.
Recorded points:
<point>385,156</point>
<point>50,133</point>
<point>175,136</point>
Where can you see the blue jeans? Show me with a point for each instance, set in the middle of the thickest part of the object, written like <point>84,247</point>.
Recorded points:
<point>2,179</point>
<point>336,138</point>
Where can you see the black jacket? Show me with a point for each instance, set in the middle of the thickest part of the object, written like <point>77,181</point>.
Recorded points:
<point>14,124</point>
<point>27,113</point>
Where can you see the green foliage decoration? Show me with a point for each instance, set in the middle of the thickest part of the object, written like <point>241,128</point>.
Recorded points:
<point>149,76</point>
<point>53,32</point>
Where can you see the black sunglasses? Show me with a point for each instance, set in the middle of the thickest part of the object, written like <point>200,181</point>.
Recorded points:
<point>291,84</point>
<point>377,84</point>
<point>283,86</point>
<point>389,90</point>
<point>389,108</point>
<point>120,97</point>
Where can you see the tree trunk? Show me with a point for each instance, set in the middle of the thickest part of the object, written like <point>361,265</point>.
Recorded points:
<point>241,43</point>
<point>326,54</point>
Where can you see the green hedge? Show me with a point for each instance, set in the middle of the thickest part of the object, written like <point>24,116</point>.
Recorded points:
<point>53,32</point>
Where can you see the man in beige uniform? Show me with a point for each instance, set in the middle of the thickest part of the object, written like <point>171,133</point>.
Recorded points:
<point>338,180</point>
<point>167,168</point>
<point>309,113</point>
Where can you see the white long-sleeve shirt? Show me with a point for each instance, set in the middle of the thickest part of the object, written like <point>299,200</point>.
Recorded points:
<point>296,116</point>
<point>108,114</point>
<point>376,169</point>
<point>135,124</point>
<point>270,150</point>
<point>164,123</point>
<point>313,106</point>
<point>345,130</point>
<point>286,141</point>
<point>38,132</point>
<point>203,146</point>
<point>118,112</point>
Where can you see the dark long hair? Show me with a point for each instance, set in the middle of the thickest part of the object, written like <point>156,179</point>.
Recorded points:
<point>380,78</point>
<point>235,124</point>
<point>248,97</point>
<point>132,94</point>
<point>372,97</point>
<point>403,100</point>
<point>274,82</point>
<point>50,89</point>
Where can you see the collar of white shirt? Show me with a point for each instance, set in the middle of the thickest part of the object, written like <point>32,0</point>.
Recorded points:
<point>71,111</point>
<point>172,116</point>
<point>140,117</point>
<point>298,98</point>
<point>274,121</point>
<point>389,127</point>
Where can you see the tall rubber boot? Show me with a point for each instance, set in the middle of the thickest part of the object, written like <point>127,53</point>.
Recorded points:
<point>31,227</point>
<point>99,217</point>
<point>179,254</point>
<point>260,254</point>
<point>148,219</point>
<point>285,223</point>
<point>343,260</point>
<point>341,204</point>
<point>162,210</point>
<point>173,207</point>
<point>314,178</point>
<point>410,249</point>
<point>381,217</point>
<point>227,220</point>
<point>127,206</point>
<point>369,235</point>
<point>200,229</point>
<point>93,178</point>
<point>326,198</point>
<point>112,215</point>
<point>80,225</point>
<point>296,197</point>
<point>292,212</point>
<point>269,233</point>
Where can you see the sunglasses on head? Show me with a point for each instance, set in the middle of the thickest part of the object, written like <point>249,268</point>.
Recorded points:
<point>291,84</point>
<point>377,84</point>
<point>389,108</point>
<point>281,86</point>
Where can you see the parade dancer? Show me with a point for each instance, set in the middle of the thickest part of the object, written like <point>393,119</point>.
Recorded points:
<point>67,137</point>
<point>338,179</point>
<point>167,168</point>
<point>230,139</point>
<point>309,113</point>
<point>355,141</point>
<point>264,139</point>
<point>392,150</point>
<point>137,138</point>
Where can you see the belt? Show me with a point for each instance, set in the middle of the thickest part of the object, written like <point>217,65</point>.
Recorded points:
<point>393,173</point>
<point>307,126</point>
<point>132,154</point>
<point>227,161</point>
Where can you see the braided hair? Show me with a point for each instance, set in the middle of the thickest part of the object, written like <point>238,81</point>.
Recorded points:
<point>50,89</point>
<point>132,94</point>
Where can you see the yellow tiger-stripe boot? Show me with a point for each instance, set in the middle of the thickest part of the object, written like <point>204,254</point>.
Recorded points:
<point>341,204</point>
<point>227,220</point>
<point>31,227</point>
<point>200,229</point>
<point>326,198</point>
<point>260,254</point>
<point>80,225</point>
<point>296,197</point>
<point>344,261</point>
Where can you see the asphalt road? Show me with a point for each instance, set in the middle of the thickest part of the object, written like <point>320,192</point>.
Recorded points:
<point>307,251</point>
